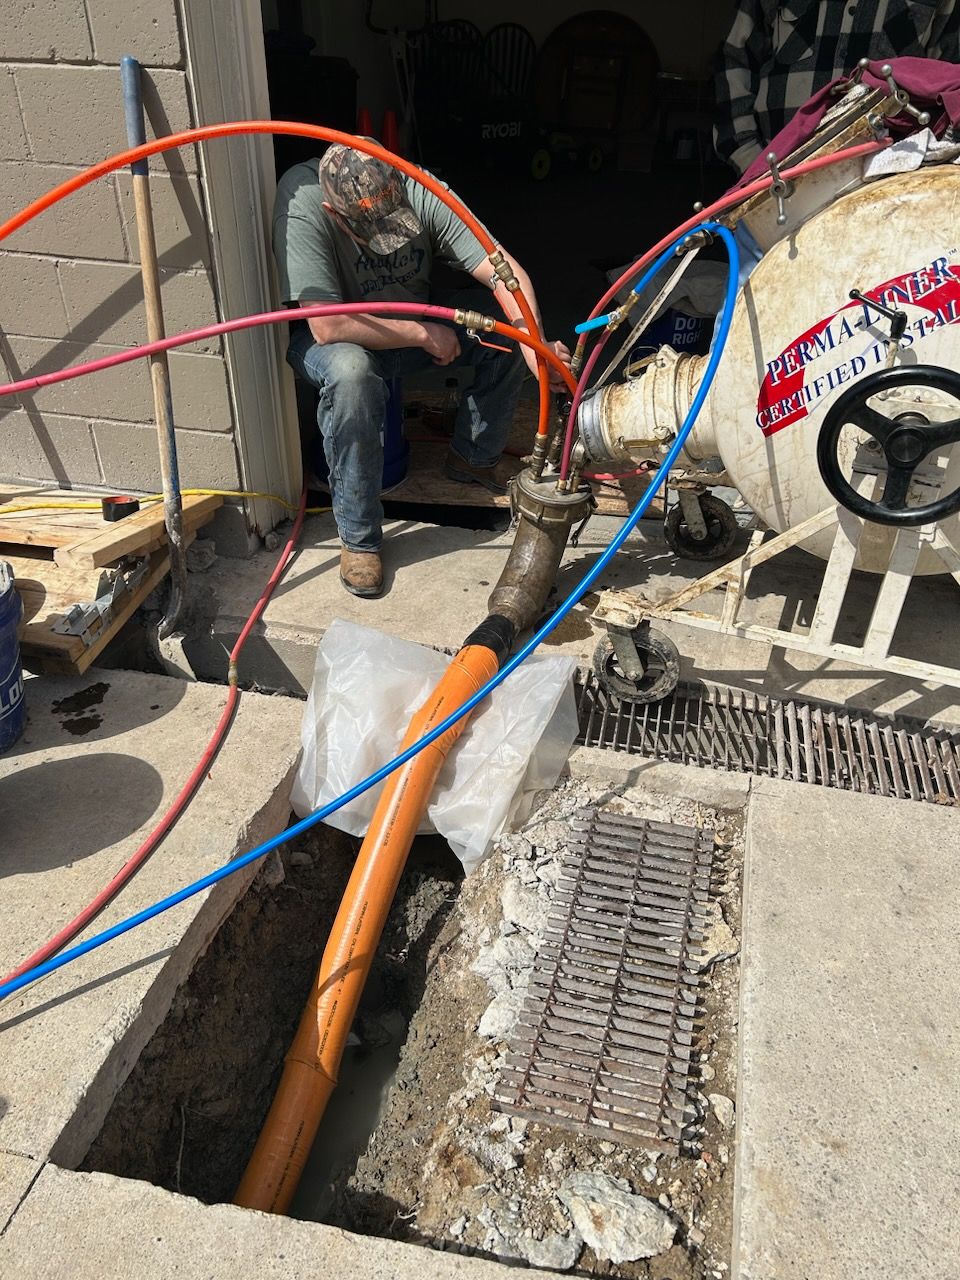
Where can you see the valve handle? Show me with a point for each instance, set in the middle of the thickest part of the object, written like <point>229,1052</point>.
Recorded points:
<point>906,442</point>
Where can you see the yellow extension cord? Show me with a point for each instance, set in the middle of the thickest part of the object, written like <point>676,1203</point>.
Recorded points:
<point>158,497</point>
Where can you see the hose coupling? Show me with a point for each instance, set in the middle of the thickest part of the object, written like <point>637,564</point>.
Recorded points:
<point>545,520</point>
<point>503,272</point>
<point>233,674</point>
<point>696,240</point>
<point>474,320</point>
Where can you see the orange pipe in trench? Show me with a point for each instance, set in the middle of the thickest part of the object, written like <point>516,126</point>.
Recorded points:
<point>311,1066</point>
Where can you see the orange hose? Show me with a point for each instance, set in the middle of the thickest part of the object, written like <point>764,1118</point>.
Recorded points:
<point>311,1065</point>
<point>241,127</point>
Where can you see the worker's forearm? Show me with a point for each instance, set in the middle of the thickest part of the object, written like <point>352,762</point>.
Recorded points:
<point>367,331</point>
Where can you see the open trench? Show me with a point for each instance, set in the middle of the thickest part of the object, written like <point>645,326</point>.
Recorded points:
<point>412,1148</point>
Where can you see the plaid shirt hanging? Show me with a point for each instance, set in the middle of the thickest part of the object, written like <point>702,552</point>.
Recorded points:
<point>776,56</point>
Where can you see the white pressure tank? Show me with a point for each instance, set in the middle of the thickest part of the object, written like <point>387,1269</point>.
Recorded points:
<point>798,341</point>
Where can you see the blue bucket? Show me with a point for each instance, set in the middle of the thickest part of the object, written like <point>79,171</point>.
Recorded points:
<point>396,446</point>
<point>13,707</point>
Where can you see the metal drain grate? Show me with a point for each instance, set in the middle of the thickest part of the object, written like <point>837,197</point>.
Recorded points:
<point>797,740</point>
<point>604,1042</point>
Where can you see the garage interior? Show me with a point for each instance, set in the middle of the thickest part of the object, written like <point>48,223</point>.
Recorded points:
<point>578,136</point>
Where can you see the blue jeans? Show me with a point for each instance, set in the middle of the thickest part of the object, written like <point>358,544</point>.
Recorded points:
<point>352,383</point>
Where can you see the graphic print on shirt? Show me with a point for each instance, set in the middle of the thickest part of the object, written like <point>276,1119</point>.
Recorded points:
<point>815,364</point>
<point>375,274</point>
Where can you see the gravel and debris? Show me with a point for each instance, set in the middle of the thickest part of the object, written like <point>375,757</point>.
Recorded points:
<point>444,1169</point>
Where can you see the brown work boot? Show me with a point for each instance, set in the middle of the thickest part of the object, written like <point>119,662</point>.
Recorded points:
<point>361,572</point>
<point>494,477</point>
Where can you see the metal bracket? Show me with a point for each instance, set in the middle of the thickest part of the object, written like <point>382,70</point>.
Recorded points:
<point>780,189</point>
<point>89,619</point>
<point>903,98</point>
<point>619,613</point>
<point>689,498</point>
<point>620,609</point>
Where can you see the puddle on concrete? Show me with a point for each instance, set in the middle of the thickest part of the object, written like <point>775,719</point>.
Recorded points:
<point>73,706</point>
<point>82,700</point>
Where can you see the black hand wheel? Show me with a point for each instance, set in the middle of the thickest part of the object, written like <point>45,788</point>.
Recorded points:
<point>661,667</point>
<point>905,441</point>
<point>720,536</point>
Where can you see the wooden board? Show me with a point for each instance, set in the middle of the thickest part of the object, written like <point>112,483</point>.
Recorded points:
<point>59,559</point>
<point>135,535</point>
<point>84,538</point>
<point>427,483</point>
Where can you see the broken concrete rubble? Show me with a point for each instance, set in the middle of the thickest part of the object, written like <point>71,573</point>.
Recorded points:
<point>617,1225</point>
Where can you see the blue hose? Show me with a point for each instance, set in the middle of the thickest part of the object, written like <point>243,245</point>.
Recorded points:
<point>600,322</point>
<point>583,586</point>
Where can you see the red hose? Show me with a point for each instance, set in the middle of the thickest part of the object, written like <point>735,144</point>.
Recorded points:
<point>137,859</point>
<point>735,197</point>
<point>271,317</point>
<point>286,127</point>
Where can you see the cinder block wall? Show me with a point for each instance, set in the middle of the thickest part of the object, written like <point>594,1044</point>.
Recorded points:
<point>69,281</point>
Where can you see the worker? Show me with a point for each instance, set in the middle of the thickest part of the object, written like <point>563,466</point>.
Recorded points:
<point>350,228</point>
<point>777,55</point>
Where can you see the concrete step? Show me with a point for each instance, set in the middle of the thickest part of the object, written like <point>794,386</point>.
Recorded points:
<point>91,1225</point>
<point>438,580</point>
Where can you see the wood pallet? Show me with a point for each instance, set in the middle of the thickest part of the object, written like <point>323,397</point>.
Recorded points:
<point>426,482</point>
<point>64,558</point>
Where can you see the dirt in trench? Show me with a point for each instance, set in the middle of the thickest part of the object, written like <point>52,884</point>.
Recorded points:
<point>444,1168</point>
<point>188,1115</point>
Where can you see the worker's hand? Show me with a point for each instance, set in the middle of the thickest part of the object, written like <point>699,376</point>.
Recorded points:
<point>441,342</point>
<point>558,348</point>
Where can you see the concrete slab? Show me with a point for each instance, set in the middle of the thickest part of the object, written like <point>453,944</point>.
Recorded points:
<point>847,1158</point>
<point>124,1228</point>
<point>102,757</point>
<point>17,1173</point>
<point>439,578</point>
<point>709,786</point>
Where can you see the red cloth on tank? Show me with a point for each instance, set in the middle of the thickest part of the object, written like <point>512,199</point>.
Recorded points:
<point>933,86</point>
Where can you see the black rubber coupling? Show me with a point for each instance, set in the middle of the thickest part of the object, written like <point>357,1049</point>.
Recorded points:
<point>495,633</point>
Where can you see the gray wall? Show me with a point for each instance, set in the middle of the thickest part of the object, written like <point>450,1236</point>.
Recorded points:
<point>69,281</point>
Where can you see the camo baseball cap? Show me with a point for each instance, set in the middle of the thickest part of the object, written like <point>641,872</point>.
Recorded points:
<point>370,198</point>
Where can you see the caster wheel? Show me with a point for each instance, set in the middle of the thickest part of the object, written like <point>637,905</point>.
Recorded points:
<point>721,531</point>
<point>661,662</point>
<point>541,163</point>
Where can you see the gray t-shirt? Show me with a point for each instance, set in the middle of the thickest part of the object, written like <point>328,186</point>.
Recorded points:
<point>318,262</point>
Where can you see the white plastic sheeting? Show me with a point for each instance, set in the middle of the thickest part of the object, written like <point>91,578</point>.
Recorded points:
<point>367,686</point>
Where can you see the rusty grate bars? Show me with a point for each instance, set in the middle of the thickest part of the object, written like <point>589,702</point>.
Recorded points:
<point>801,741</point>
<point>603,1045</point>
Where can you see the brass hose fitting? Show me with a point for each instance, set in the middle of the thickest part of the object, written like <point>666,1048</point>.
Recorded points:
<point>503,271</point>
<point>474,320</point>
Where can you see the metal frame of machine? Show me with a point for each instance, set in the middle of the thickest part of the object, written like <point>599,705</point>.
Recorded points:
<point>624,612</point>
<point>630,659</point>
